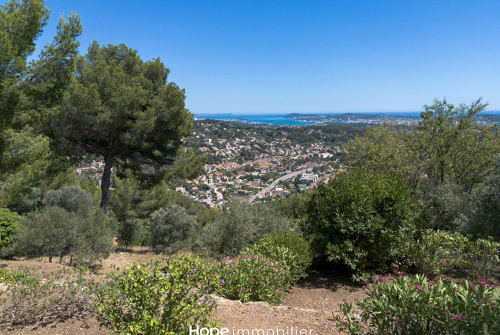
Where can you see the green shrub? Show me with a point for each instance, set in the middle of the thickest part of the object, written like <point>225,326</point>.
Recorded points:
<point>56,232</point>
<point>172,230</point>
<point>406,305</point>
<point>289,248</point>
<point>364,221</point>
<point>242,227</point>
<point>158,298</point>
<point>71,198</point>
<point>481,259</point>
<point>252,278</point>
<point>9,224</point>
<point>12,276</point>
<point>130,232</point>
<point>439,251</point>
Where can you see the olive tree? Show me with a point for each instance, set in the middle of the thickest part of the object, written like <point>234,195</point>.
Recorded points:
<point>172,229</point>
<point>68,224</point>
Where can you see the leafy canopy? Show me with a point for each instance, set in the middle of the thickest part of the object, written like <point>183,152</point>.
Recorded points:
<point>122,109</point>
<point>446,159</point>
<point>361,220</point>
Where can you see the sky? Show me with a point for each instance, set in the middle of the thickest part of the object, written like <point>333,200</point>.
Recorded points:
<point>244,57</point>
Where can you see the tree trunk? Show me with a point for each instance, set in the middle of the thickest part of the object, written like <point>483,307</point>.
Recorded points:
<point>106,180</point>
<point>50,259</point>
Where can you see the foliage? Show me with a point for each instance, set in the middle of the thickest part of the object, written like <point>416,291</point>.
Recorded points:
<point>9,225</point>
<point>122,109</point>
<point>439,251</point>
<point>172,229</point>
<point>130,201</point>
<point>446,147</point>
<point>41,83</point>
<point>362,220</point>
<point>11,277</point>
<point>67,225</point>
<point>287,247</point>
<point>28,89</point>
<point>27,162</point>
<point>293,207</point>
<point>485,218</point>
<point>241,227</point>
<point>72,199</point>
<point>252,278</point>
<point>157,298</point>
<point>476,212</point>
<point>406,305</point>
<point>30,202</point>
<point>130,232</point>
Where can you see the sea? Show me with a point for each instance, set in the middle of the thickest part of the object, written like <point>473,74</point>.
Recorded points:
<point>279,119</point>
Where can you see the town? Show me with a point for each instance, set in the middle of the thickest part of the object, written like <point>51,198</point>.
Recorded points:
<point>248,163</point>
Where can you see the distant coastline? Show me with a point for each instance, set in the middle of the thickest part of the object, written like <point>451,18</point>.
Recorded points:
<point>299,119</point>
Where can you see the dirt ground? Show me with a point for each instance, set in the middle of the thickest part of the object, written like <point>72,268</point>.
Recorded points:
<point>307,307</point>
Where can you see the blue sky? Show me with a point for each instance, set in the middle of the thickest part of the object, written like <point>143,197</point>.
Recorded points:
<point>306,56</point>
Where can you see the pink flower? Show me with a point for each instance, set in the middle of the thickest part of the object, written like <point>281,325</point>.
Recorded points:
<point>458,317</point>
<point>446,310</point>
<point>222,281</point>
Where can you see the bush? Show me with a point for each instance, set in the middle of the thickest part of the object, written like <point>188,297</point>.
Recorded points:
<point>406,305</point>
<point>438,251</point>
<point>481,259</point>
<point>130,232</point>
<point>72,199</point>
<point>158,298</point>
<point>242,227</point>
<point>67,225</point>
<point>364,221</point>
<point>172,230</point>
<point>252,278</point>
<point>12,277</point>
<point>9,224</point>
<point>289,248</point>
